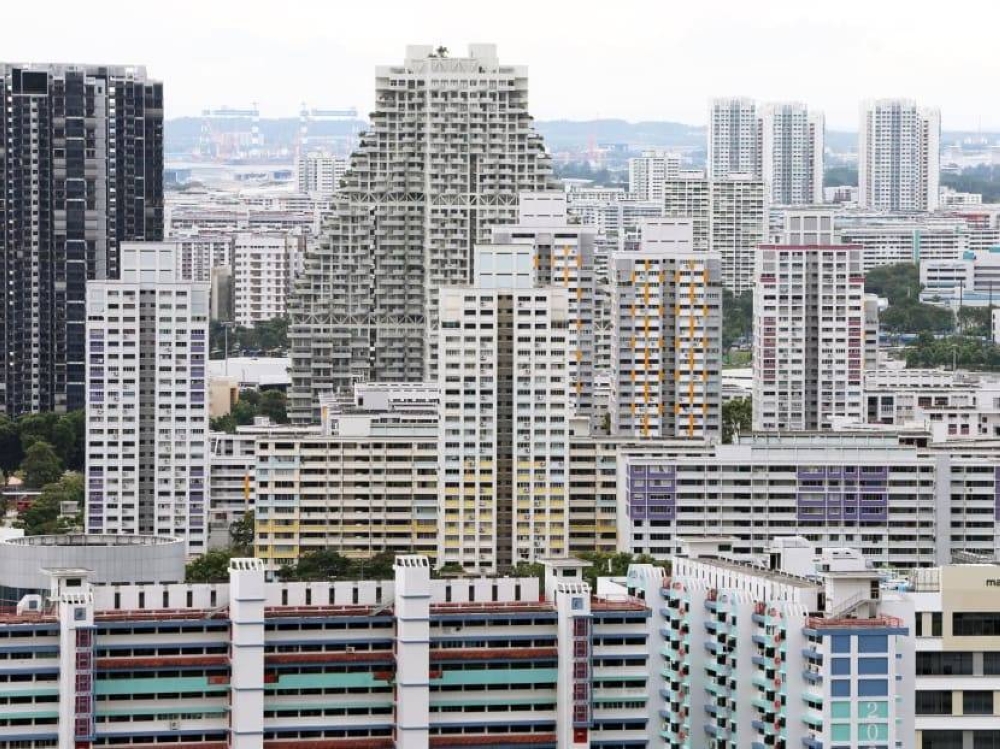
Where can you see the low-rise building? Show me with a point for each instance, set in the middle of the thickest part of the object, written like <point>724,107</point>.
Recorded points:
<point>404,663</point>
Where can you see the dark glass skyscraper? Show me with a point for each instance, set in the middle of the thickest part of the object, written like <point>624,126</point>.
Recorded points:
<point>81,167</point>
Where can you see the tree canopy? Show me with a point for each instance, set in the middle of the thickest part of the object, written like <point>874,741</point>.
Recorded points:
<point>983,179</point>
<point>265,337</point>
<point>41,465</point>
<point>900,285</point>
<point>241,534</point>
<point>210,567</point>
<point>326,564</point>
<point>737,416</point>
<point>43,516</point>
<point>253,403</point>
<point>737,317</point>
<point>603,564</point>
<point>66,433</point>
<point>963,352</point>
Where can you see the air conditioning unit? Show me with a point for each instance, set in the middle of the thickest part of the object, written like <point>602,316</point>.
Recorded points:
<point>175,725</point>
<point>349,649</point>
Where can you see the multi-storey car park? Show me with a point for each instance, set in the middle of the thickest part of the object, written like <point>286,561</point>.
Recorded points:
<point>410,662</point>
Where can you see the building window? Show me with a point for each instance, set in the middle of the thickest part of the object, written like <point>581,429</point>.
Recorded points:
<point>948,664</point>
<point>986,740</point>
<point>991,664</point>
<point>941,740</point>
<point>936,624</point>
<point>975,624</point>
<point>977,702</point>
<point>934,702</point>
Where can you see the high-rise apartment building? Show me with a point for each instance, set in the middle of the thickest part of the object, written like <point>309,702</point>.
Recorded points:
<point>734,139</point>
<point>802,653</point>
<point>147,410</point>
<point>81,169</point>
<point>199,253</point>
<point>809,328</point>
<point>450,148</point>
<point>730,217</point>
<point>647,173</point>
<point>318,173</point>
<point>263,274</point>
<point>666,336</point>
<point>899,163</point>
<point>792,140</point>
<point>563,257</point>
<point>503,432</point>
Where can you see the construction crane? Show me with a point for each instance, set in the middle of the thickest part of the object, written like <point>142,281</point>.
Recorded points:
<point>308,116</point>
<point>212,144</point>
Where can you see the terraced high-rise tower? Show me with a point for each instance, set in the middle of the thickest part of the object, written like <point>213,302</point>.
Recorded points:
<point>449,149</point>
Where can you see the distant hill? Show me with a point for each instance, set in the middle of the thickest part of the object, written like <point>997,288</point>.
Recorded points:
<point>572,134</point>
<point>182,134</point>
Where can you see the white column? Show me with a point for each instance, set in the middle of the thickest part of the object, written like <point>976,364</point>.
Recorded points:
<point>75,606</point>
<point>246,613</point>
<point>574,706</point>
<point>413,636</point>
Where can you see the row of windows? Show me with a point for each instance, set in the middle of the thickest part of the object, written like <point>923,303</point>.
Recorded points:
<point>940,702</point>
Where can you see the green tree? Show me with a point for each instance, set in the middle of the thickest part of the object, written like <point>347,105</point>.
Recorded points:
<point>241,534</point>
<point>975,321</point>
<point>451,569</point>
<point>41,465</point>
<point>959,351</point>
<point>840,176</point>
<point>68,438</point>
<point>529,569</point>
<point>983,179</point>
<point>737,317</point>
<point>900,285</point>
<point>603,564</point>
<point>379,567</point>
<point>43,516</point>
<point>273,404</point>
<point>11,452</point>
<point>737,416</point>
<point>326,564</point>
<point>36,427</point>
<point>253,403</point>
<point>210,567</point>
<point>322,564</point>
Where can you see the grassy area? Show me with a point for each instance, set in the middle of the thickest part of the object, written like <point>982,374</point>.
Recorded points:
<point>737,359</point>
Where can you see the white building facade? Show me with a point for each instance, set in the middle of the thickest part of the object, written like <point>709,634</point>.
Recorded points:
<point>147,405</point>
<point>730,217</point>
<point>809,331</point>
<point>734,139</point>
<point>503,429</point>
<point>564,256</point>
<point>648,172</point>
<point>899,163</point>
<point>264,274</point>
<point>792,142</point>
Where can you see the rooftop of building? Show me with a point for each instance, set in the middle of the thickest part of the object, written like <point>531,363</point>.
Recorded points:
<point>754,570</point>
<point>86,539</point>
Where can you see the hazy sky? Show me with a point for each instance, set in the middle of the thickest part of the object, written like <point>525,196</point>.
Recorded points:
<point>656,59</point>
